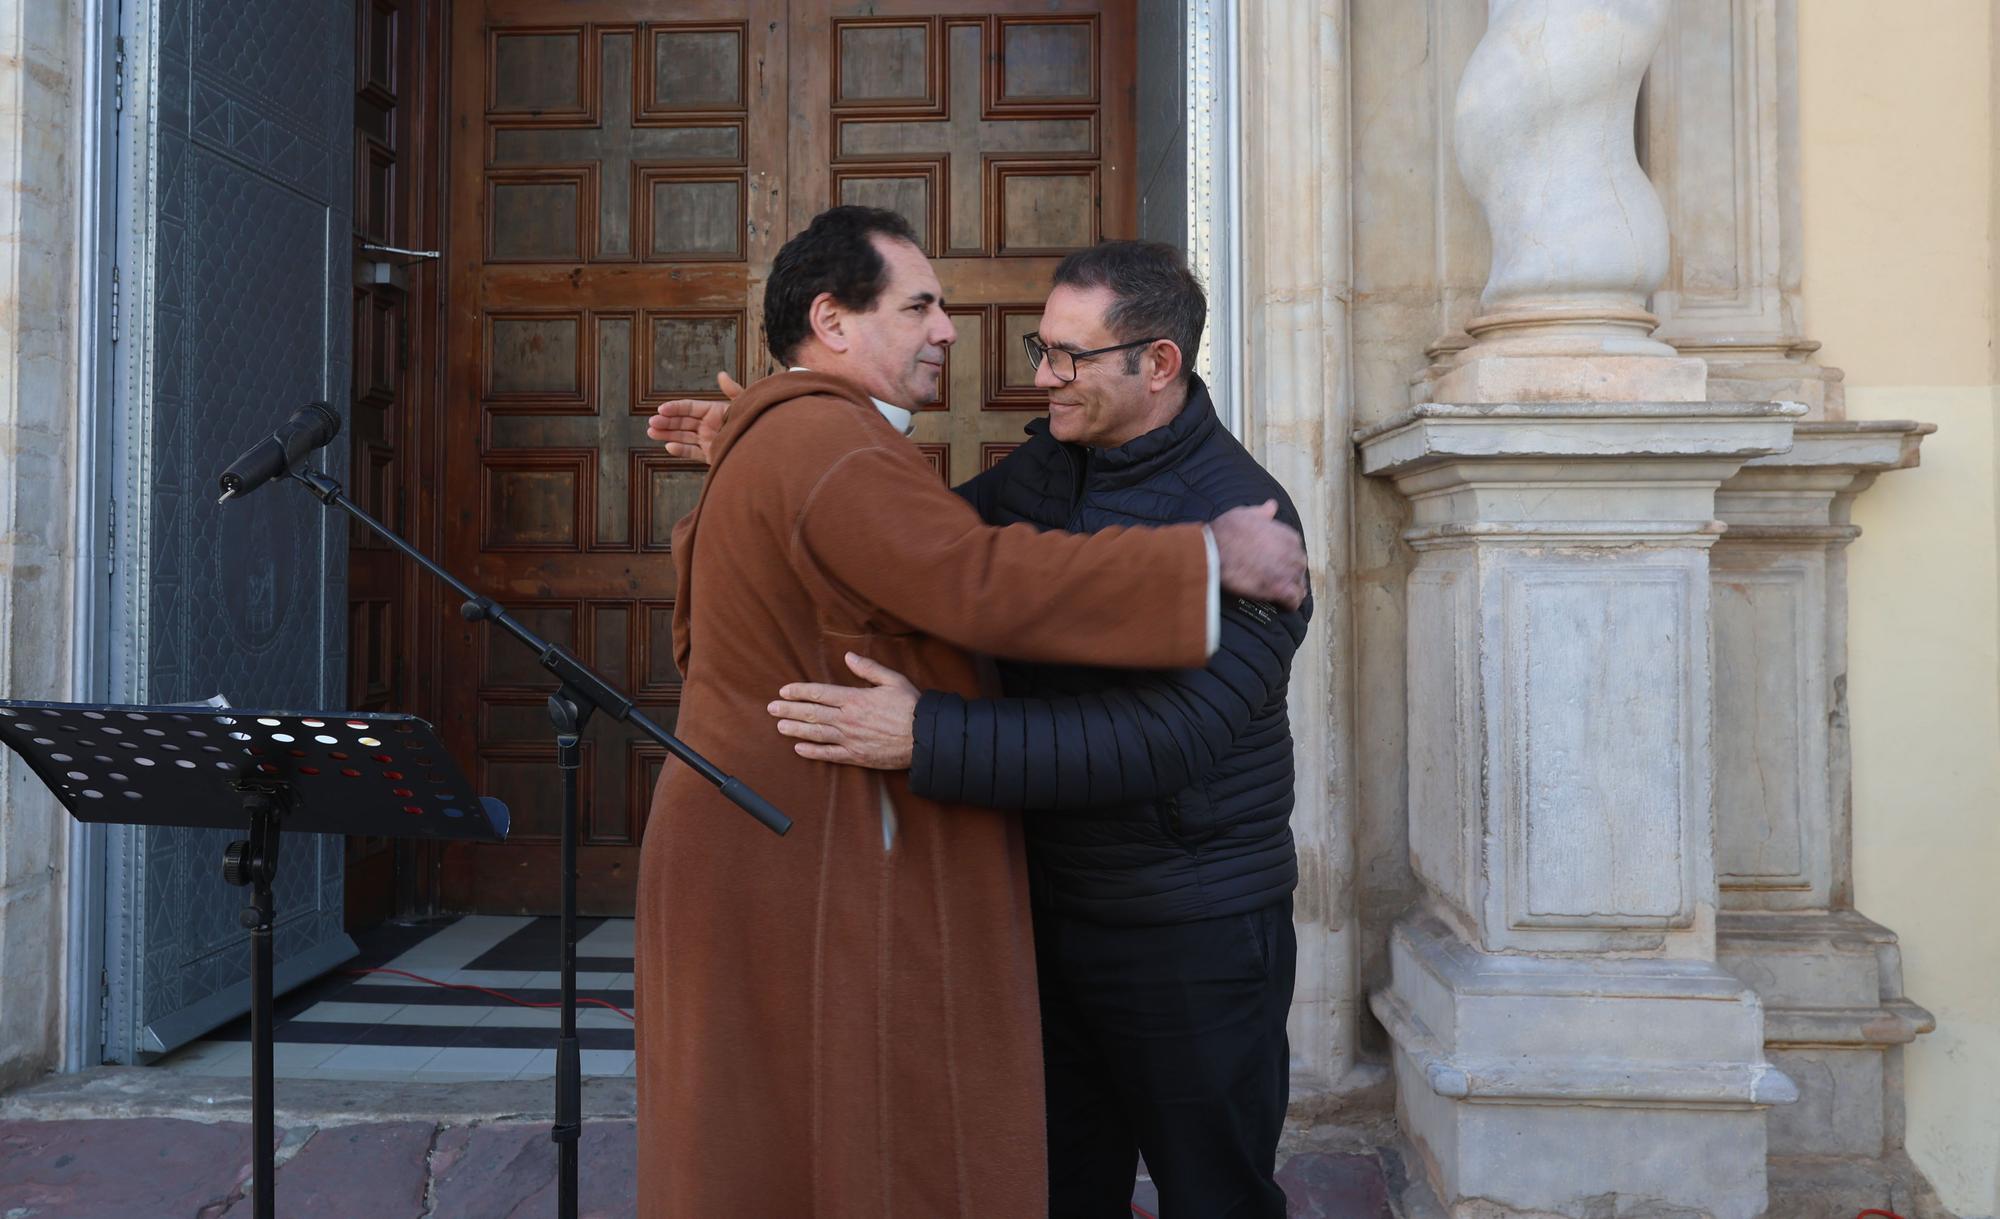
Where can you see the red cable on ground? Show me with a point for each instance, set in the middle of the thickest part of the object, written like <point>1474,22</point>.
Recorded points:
<point>1142,1212</point>
<point>488,991</point>
<point>1884,1214</point>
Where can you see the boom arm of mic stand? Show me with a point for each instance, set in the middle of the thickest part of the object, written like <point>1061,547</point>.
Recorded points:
<point>574,675</point>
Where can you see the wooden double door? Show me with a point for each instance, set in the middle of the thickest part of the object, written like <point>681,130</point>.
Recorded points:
<point>618,186</point>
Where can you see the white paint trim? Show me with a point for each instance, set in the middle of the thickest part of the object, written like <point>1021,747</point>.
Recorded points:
<point>130,438</point>
<point>1233,277</point>
<point>127,443</point>
<point>1215,193</point>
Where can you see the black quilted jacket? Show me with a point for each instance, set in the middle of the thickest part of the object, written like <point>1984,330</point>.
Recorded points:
<point>1154,797</point>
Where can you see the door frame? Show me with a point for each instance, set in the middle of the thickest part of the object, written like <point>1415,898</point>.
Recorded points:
<point>1211,67</point>
<point>115,181</point>
<point>118,507</point>
<point>424,610</point>
<point>122,69</point>
<point>100,85</point>
<point>420,861</point>
<point>1211,73</point>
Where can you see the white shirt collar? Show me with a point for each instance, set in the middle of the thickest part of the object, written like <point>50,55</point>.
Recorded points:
<point>902,420</point>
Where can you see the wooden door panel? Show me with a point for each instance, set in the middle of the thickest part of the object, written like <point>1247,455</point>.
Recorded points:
<point>619,188</point>
<point>609,156</point>
<point>990,127</point>
<point>615,181</point>
<point>567,463</point>
<point>949,158</point>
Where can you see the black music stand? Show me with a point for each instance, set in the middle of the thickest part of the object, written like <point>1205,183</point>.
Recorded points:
<point>580,692</point>
<point>261,771</point>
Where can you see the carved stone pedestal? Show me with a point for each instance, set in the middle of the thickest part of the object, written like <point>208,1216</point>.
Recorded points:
<point>1831,980</point>
<point>1834,1012</point>
<point>1521,1078</point>
<point>1565,1043</point>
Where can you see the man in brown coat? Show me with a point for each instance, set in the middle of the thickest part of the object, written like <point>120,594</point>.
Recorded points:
<point>842,1023</point>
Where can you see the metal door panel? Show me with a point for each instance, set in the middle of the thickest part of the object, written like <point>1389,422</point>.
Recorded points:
<point>236,195</point>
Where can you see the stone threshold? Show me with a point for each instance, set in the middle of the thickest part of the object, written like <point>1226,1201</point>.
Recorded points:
<point>125,1092</point>
<point>1362,1102</point>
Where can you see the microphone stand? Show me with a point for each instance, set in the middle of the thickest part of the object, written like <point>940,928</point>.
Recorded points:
<point>579,693</point>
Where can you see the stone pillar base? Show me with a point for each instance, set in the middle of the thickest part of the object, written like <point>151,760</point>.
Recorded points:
<point>1770,372</point>
<point>1814,1187</point>
<point>1513,1070</point>
<point>1572,378</point>
<point>1834,1015</point>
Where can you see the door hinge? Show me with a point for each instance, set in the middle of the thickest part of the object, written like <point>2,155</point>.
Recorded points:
<point>103,1013</point>
<point>111,536</point>
<point>114,302</point>
<point>118,76</point>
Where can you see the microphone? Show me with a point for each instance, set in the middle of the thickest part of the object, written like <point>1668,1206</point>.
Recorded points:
<point>310,427</point>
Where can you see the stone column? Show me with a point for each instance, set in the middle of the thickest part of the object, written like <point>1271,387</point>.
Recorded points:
<point>1543,132</point>
<point>1565,1042</point>
<point>1298,412</point>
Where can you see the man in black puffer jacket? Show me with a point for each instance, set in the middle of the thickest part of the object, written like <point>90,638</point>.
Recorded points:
<point>1158,805</point>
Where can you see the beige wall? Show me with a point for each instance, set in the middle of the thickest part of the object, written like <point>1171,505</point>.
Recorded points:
<point>1898,126</point>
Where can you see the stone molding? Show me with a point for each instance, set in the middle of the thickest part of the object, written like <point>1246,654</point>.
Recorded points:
<point>1868,446</point>
<point>1745,430</point>
<point>1876,1015</point>
<point>1606,473</point>
<point>1506,1067</point>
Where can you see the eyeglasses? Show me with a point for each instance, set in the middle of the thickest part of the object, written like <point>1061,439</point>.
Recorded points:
<point>1063,362</point>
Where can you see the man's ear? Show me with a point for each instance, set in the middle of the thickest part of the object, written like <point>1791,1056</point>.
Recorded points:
<point>828,321</point>
<point>1163,364</point>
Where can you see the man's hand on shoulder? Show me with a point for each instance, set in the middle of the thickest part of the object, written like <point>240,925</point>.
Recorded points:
<point>872,726</point>
<point>1262,559</point>
<point>688,426</point>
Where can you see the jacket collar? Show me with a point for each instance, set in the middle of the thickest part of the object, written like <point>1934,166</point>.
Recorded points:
<point>1142,457</point>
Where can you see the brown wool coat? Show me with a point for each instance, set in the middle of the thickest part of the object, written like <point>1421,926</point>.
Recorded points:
<point>828,1029</point>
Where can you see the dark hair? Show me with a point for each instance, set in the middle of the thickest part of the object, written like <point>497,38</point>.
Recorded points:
<point>832,254</point>
<point>1153,294</point>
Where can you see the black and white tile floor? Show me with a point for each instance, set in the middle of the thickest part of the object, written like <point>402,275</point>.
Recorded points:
<point>383,1026</point>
